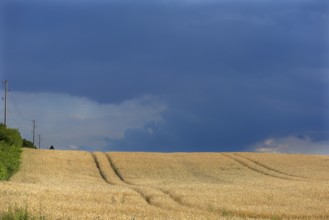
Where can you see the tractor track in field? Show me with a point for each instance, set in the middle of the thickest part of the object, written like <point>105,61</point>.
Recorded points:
<point>99,169</point>
<point>261,168</point>
<point>114,168</point>
<point>111,175</point>
<point>114,181</point>
<point>270,168</point>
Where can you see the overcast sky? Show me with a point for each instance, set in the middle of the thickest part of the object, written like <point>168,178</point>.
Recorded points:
<point>169,75</point>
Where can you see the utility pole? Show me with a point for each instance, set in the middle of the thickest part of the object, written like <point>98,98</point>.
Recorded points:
<point>39,140</point>
<point>33,121</point>
<point>6,91</point>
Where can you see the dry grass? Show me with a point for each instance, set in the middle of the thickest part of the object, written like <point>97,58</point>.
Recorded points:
<point>306,166</point>
<point>81,185</point>
<point>235,185</point>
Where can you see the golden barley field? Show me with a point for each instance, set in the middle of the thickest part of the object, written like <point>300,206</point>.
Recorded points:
<point>83,185</point>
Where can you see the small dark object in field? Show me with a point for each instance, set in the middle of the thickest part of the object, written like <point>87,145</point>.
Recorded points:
<point>52,147</point>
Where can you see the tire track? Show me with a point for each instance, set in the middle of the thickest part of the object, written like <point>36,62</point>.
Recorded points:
<point>114,168</point>
<point>149,193</point>
<point>98,168</point>
<point>110,176</point>
<point>107,174</point>
<point>270,168</point>
<point>152,196</point>
<point>258,168</point>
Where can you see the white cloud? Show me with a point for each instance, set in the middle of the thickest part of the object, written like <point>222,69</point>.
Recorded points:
<point>292,144</point>
<point>65,120</point>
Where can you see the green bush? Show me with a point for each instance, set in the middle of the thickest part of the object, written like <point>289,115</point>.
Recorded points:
<point>28,144</point>
<point>10,136</point>
<point>3,171</point>
<point>10,151</point>
<point>10,160</point>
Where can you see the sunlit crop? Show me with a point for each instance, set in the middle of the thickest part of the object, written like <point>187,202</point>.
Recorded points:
<point>83,185</point>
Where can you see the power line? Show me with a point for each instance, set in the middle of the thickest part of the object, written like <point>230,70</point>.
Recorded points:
<point>13,103</point>
<point>16,123</point>
<point>39,140</point>
<point>13,120</point>
<point>34,126</point>
<point>6,91</point>
<point>13,99</point>
<point>23,123</point>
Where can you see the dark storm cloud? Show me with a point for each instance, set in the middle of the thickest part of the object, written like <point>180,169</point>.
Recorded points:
<point>231,73</point>
<point>132,45</point>
<point>235,117</point>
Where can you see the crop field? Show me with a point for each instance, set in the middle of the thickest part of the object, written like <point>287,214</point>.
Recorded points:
<point>83,185</point>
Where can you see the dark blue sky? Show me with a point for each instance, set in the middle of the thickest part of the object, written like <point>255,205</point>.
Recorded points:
<point>203,75</point>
